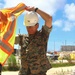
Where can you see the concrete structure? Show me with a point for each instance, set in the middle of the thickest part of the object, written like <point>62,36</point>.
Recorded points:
<point>68,48</point>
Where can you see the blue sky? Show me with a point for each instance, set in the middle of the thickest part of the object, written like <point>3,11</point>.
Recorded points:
<point>63,13</point>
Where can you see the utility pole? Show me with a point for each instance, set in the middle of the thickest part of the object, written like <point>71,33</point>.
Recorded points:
<point>19,31</point>
<point>54,45</point>
<point>65,42</point>
<point>65,45</point>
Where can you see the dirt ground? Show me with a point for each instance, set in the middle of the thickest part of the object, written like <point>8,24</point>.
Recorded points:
<point>65,70</point>
<point>53,71</point>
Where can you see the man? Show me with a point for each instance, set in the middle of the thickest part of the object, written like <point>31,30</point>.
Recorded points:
<point>8,18</point>
<point>34,46</point>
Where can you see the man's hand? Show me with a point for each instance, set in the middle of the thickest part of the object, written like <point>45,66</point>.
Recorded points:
<point>28,8</point>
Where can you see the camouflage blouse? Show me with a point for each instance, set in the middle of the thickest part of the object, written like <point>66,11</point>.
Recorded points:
<point>33,51</point>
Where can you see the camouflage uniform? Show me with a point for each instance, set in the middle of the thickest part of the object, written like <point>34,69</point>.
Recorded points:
<point>33,53</point>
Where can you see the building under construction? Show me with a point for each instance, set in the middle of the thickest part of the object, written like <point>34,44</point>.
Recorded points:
<point>68,48</point>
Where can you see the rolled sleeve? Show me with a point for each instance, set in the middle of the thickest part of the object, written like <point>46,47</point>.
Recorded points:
<point>47,28</point>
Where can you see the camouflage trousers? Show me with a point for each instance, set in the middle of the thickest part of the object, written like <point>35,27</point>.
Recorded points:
<point>28,72</point>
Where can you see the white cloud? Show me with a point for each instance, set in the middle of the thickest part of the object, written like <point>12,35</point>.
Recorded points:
<point>70,11</point>
<point>68,23</point>
<point>11,3</point>
<point>49,6</point>
<point>1,5</point>
<point>58,23</point>
<point>69,26</point>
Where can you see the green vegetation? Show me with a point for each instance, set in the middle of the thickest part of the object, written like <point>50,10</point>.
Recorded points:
<point>54,65</point>
<point>12,64</point>
<point>61,64</point>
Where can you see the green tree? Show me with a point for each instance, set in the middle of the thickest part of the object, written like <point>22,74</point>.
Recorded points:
<point>12,64</point>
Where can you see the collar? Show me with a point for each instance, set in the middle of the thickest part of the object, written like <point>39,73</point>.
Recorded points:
<point>32,36</point>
